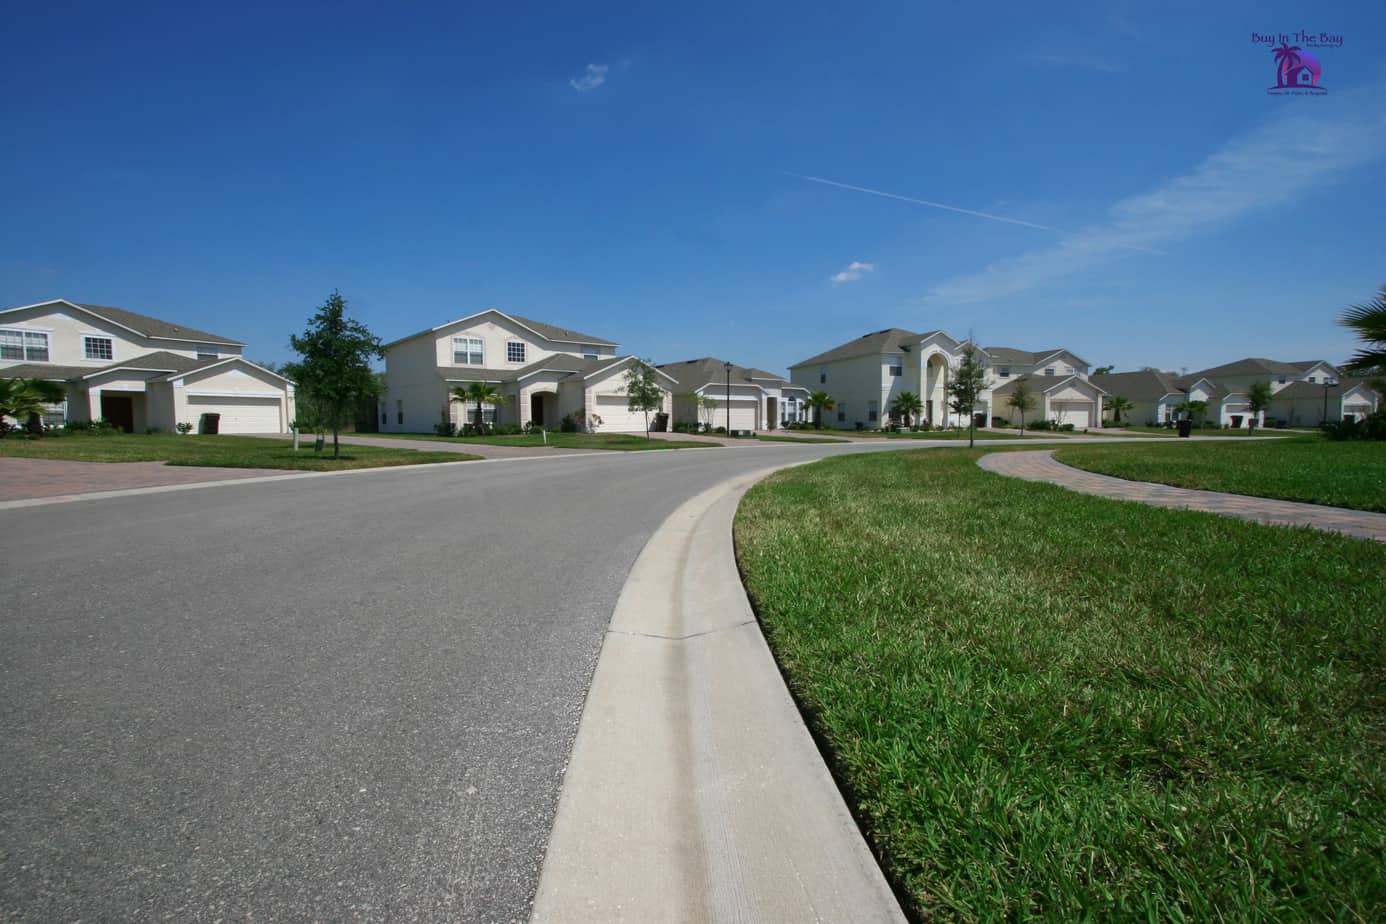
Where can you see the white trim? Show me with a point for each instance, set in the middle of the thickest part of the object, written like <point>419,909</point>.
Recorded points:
<point>92,375</point>
<point>177,377</point>
<point>257,395</point>
<point>622,361</point>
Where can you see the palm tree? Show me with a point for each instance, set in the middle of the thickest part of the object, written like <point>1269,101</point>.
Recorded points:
<point>1287,64</point>
<point>1258,398</point>
<point>480,393</point>
<point>1369,321</point>
<point>1022,399</point>
<point>1195,410</point>
<point>820,401</point>
<point>26,400</point>
<point>906,405</point>
<point>1118,405</point>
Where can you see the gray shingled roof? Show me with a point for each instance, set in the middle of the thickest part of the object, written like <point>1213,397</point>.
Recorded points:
<point>692,374</point>
<point>158,361</point>
<point>890,340</point>
<point>1137,386</point>
<point>1043,383</point>
<point>1296,390</point>
<point>153,327</point>
<point>564,362</point>
<point>1252,365</point>
<point>561,333</point>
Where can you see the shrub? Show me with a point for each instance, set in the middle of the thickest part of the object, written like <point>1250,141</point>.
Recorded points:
<point>1066,428</point>
<point>506,430</point>
<point>533,427</point>
<point>1373,427</point>
<point>444,428</point>
<point>721,430</point>
<point>183,428</point>
<point>568,424</point>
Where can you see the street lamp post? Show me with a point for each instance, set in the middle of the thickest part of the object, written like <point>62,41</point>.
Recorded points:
<point>727,366</point>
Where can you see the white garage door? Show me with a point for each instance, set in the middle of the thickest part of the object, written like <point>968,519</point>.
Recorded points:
<point>1074,412</point>
<point>238,415</point>
<point>743,415</point>
<point>616,418</point>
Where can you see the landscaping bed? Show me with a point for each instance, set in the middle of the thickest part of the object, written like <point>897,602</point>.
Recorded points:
<point>1043,704</point>
<point>216,451</point>
<point>1301,468</point>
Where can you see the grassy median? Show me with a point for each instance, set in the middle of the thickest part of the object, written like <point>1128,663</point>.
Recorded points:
<point>617,441</point>
<point>215,451</point>
<point>1043,704</point>
<point>1303,468</point>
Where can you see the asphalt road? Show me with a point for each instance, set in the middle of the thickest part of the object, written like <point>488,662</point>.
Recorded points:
<point>340,698</point>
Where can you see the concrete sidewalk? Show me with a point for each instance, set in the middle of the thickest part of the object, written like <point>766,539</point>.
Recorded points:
<point>694,792</point>
<point>1042,466</point>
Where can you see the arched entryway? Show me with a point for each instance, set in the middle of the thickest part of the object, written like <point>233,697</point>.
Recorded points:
<point>543,409</point>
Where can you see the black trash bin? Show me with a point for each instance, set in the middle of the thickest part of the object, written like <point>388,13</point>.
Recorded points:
<point>1185,427</point>
<point>211,423</point>
<point>661,423</point>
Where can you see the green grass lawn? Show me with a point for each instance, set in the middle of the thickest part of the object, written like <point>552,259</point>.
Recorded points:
<point>1205,431</point>
<point>1301,468</point>
<point>618,441</point>
<point>1048,705</point>
<point>982,434</point>
<point>219,451</point>
<point>782,438</point>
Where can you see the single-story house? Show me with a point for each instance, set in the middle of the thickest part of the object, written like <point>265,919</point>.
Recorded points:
<point>141,373</point>
<point>736,397</point>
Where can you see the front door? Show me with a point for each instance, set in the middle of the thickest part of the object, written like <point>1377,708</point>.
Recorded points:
<point>772,413</point>
<point>119,410</point>
<point>536,409</point>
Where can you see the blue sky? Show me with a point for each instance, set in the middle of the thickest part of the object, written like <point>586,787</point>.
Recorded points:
<point>637,173</point>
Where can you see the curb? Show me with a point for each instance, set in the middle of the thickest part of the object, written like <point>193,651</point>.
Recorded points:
<point>694,791</point>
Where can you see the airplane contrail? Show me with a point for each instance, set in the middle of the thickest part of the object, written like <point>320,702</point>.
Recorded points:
<point>935,205</point>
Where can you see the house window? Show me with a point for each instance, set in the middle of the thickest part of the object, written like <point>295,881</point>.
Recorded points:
<point>1282,380</point>
<point>822,375</point>
<point>399,411</point>
<point>1312,379</point>
<point>589,352</point>
<point>897,371</point>
<point>514,351</point>
<point>205,352</point>
<point>1049,371</point>
<point>841,416</point>
<point>466,351</point>
<point>384,414</point>
<point>24,345</point>
<point>97,348</point>
<point>872,410</point>
<point>1005,372</point>
<point>488,413</point>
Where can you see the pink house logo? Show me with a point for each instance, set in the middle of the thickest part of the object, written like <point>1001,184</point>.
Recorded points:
<point>1296,68</point>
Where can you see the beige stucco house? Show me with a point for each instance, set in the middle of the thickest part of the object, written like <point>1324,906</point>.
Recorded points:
<point>745,398</point>
<point>866,375</point>
<point>543,372</point>
<point>139,372</point>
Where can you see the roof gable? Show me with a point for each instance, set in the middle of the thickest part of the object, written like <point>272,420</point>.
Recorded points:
<point>538,328</point>
<point>140,324</point>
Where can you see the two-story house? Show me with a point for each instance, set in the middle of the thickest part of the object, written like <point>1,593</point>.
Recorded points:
<point>542,372</point>
<point>141,373</point>
<point>864,377</point>
<point>746,398</point>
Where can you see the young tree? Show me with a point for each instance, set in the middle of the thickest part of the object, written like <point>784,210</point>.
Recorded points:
<point>1118,406</point>
<point>907,406</point>
<point>642,390</point>
<point>335,367</point>
<point>1103,370</point>
<point>478,393</point>
<point>966,387</point>
<point>820,401</point>
<point>1022,398</point>
<point>1258,398</point>
<point>26,399</point>
<point>1369,321</point>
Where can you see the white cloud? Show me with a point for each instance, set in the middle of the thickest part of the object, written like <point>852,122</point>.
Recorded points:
<point>1309,144</point>
<point>594,76</point>
<point>855,270</point>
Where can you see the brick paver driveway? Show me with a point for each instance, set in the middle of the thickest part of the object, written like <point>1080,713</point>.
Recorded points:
<point>23,479</point>
<point>1042,466</point>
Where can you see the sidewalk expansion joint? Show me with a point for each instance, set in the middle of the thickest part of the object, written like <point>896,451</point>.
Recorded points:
<point>680,638</point>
